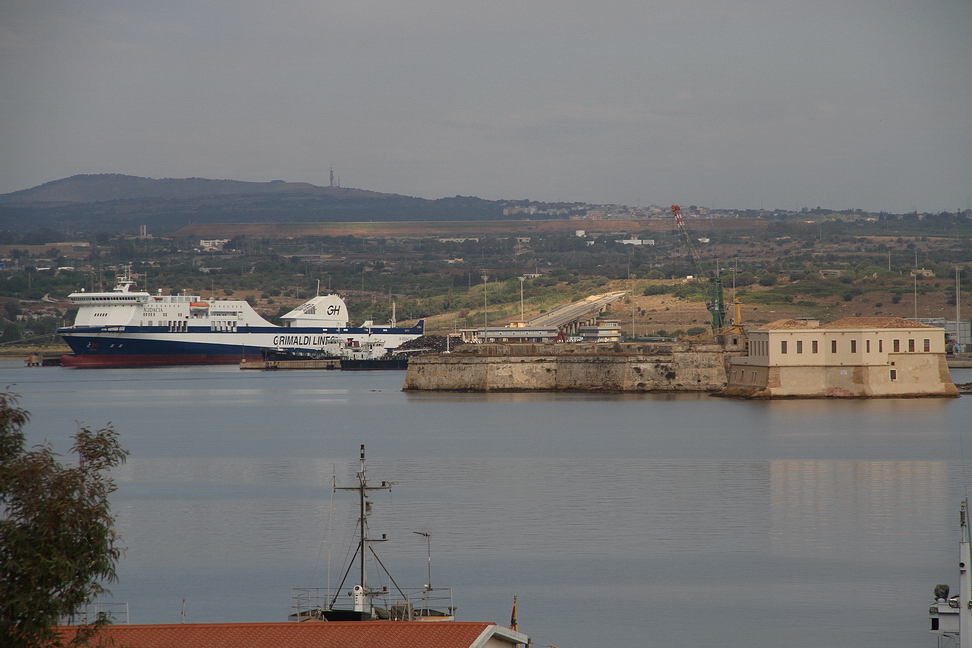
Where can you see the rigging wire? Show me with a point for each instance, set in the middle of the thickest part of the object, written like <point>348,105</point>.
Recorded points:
<point>327,535</point>
<point>965,476</point>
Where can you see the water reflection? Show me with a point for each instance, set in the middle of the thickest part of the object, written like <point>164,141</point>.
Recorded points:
<point>715,521</point>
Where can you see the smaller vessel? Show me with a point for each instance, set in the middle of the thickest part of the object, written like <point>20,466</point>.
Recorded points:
<point>369,603</point>
<point>346,354</point>
<point>951,617</point>
<point>371,355</point>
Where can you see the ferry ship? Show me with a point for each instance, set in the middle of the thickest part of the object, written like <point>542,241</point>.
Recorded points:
<point>130,328</point>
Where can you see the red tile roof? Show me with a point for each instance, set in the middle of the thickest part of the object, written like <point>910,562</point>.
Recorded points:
<point>309,634</point>
<point>876,323</point>
<point>845,323</point>
<point>781,324</point>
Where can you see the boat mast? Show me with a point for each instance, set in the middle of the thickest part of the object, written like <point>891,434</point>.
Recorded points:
<point>965,581</point>
<point>365,509</point>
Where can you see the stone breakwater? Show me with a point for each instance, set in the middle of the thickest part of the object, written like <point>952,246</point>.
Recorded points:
<point>621,367</point>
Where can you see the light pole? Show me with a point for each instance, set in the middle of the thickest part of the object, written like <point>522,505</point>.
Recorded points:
<point>522,279</point>
<point>485,276</point>
<point>916,283</point>
<point>428,540</point>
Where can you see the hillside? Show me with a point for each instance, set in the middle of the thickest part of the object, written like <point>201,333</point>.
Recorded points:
<point>121,203</point>
<point>114,187</point>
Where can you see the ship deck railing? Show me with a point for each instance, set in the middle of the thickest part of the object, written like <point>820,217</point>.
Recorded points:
<point>413,604</point>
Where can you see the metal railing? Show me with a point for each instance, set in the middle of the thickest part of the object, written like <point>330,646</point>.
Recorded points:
<point>420,604</point>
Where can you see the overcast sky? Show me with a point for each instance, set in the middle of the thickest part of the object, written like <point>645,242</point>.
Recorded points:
<point>837,103</point>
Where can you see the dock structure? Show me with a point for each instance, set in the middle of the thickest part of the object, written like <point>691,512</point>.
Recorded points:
<point>591,367</point>
<point>566,319</point>
<point>273,365</point>
<point>570,317</point>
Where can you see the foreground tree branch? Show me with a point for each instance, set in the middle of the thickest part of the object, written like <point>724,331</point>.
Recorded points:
<point>57,539</point>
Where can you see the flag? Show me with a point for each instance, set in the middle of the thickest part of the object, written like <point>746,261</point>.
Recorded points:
<point>513,616</point>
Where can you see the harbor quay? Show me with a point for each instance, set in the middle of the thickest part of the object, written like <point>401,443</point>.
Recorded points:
<point>592,367</point>
<point>849,358</point>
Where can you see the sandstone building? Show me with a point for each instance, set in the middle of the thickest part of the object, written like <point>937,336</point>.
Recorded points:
<point>853,357</point>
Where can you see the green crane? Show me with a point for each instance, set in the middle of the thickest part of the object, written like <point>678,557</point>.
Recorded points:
<point>715,302</point>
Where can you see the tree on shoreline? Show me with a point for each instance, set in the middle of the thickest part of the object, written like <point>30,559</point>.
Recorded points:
<point>57,538</point>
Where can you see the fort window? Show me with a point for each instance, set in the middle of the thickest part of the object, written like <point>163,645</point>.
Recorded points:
<point>880,346</point>
<point>799,346</point>
<point>896,345</point>
<point>853,346</point>
<point>867,346</point>
<point>833,346</point>
<point>813,346</point>
<point>911,346</point>
<point>894,374</point>
<point>926,345</point>
<point>782,346</point>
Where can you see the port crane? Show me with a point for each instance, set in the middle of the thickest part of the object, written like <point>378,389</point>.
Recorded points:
<point>715,301</point>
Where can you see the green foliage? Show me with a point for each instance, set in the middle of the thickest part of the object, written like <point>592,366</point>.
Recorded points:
<point>57,537</point>
<point>691,290</point>
<point>745,278</point>
<point>655,289</point>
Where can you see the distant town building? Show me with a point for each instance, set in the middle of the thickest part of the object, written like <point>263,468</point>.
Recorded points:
<point>212,245</point>
<point>956,332</point>
<point>603,331</point>
<point>516,332</point>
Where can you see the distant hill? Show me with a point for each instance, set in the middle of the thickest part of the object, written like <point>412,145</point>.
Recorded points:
<point>112,186</point>
<point>121,203</point>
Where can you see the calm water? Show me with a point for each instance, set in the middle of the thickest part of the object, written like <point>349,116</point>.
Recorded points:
<point>617,520</point>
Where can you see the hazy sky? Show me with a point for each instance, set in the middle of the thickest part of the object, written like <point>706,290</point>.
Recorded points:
<point>837,103</point>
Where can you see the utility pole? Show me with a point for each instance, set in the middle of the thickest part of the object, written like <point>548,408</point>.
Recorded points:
<point>958,310</point>
<point>916,283</point>
<point>485,306</point>
<point>522,279</point>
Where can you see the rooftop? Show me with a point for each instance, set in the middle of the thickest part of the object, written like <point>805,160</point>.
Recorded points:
<point>309,634</point>
<point>846,323</point>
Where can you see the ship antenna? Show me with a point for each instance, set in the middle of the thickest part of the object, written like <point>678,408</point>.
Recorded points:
<point>428,542</point>
<point>364,544</point>
<point>318,287</point>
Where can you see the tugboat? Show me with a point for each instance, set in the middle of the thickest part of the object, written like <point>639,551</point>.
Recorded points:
<point>370,603</point>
